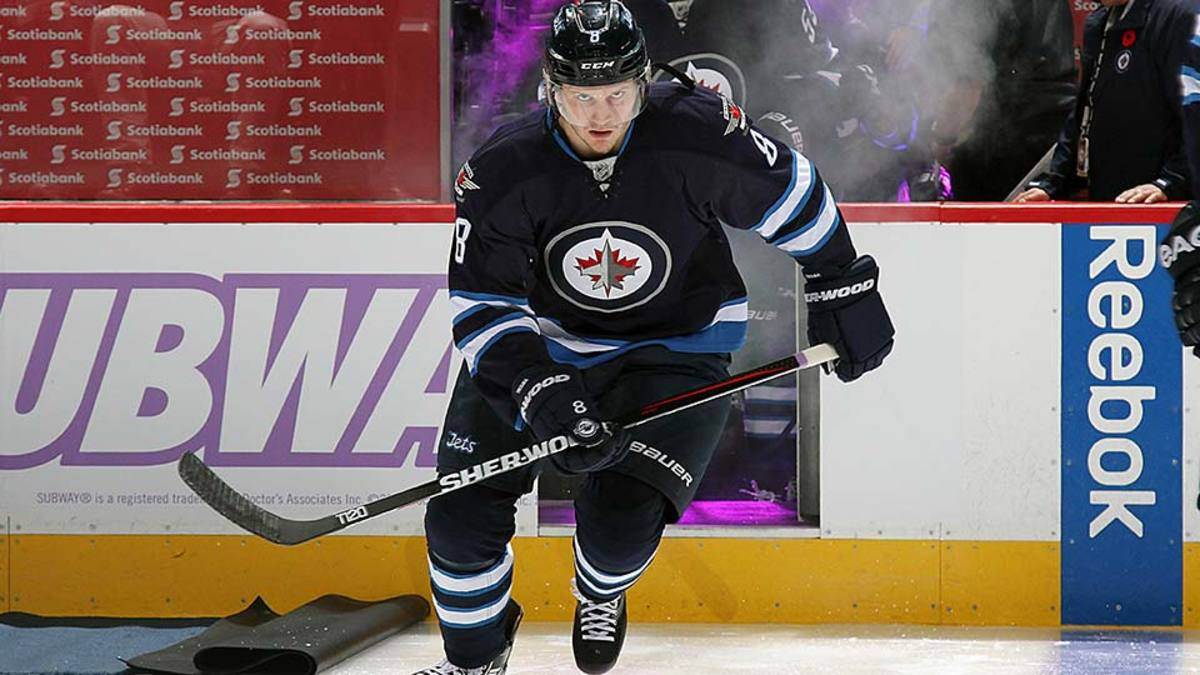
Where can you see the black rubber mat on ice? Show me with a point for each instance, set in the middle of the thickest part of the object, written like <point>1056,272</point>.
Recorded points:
<point>306,640</point>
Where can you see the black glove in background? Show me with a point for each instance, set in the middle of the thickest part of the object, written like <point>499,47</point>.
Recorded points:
<point>1180,254</point>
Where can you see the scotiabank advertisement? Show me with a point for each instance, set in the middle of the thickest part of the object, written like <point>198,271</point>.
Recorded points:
<point>184,99</point>
<point>1079,12</point>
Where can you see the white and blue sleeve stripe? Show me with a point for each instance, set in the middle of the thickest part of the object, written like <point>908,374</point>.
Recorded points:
<point>1189,78</point>
<point>474,345</point>
<point>813,234</point>
<point>794,198</point>
<point>466,304</point>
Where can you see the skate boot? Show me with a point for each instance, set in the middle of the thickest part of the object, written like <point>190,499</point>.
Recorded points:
<point>499,663</point>
<point>598,633</point>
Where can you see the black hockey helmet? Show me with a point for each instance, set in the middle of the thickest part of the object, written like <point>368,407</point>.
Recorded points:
<point>595,42</point>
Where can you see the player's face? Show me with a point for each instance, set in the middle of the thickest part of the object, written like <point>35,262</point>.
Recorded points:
<point>596,118</point>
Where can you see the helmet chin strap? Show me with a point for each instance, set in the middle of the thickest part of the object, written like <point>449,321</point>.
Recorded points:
<point>672,70</point>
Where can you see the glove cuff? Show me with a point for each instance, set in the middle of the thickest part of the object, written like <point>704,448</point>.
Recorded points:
<point>826,294</point>
<point>538,384</point>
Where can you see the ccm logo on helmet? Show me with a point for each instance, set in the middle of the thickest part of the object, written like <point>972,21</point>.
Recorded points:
<point>597,65</point>
<point>537,388</point>
<point>1170,250</point>
<point>843,292</point>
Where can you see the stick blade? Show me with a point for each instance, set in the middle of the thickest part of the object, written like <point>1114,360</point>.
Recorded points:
<point>228,502</point>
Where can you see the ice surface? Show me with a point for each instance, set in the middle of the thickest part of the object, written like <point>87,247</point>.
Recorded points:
<point>656,649</point>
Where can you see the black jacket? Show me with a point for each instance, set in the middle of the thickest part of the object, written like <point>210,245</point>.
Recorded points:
<point>1136,126</point>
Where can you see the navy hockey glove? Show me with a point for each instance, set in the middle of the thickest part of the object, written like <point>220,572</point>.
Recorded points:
<point>553,401</point>
<point>1180,254</point>
<point>846,310</point>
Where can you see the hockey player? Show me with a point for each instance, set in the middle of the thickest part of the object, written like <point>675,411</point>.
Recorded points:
<point>589,275</point>
<point>1180,251</point>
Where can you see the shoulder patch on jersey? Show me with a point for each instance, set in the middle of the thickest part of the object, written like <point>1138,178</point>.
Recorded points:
<point>735,117</point>
<point>464,182</point>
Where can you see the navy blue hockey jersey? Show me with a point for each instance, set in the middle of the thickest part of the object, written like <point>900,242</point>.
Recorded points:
<point>558,259</point>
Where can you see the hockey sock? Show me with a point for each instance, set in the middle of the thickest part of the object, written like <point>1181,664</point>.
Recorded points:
<point>619,523</point>
<point>471,606</point>
<point>600,585</point>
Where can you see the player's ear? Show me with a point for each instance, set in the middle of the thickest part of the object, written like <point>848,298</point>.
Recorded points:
<point>545,93</point>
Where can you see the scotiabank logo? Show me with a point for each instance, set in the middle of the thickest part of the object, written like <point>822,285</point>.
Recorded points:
<point>134,369</point>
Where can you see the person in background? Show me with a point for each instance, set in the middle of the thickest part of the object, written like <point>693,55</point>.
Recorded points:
<point>1122,141</point>
<point>1001,75</point>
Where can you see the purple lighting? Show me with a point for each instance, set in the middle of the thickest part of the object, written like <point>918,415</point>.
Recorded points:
<point>708,513</point>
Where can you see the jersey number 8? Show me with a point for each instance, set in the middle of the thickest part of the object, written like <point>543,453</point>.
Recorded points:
<point>462,230</point>
<point>765,145</point>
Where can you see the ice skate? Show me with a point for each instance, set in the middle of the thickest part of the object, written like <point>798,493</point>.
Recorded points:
<point>598,633</point>
<point>499,663</point>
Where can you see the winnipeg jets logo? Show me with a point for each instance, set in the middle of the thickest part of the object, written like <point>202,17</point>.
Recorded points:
<point>463,182</point>
<point>714,72</point>
<point>607,268</point>
<point>710,79</point>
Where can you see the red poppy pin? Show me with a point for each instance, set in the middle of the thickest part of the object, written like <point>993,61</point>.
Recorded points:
<point>1129,38</point>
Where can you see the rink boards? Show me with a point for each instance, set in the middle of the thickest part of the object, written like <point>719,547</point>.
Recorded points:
<point>1024,456</point>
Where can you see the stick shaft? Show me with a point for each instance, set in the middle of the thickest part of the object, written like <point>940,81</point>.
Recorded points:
<point>253,518</point>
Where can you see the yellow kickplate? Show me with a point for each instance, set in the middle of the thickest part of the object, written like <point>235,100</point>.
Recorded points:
<point>691,580</point>
<point>998,583</point>
<point>5,596</point>
<point>1191,584</point>
<point>179,576</point>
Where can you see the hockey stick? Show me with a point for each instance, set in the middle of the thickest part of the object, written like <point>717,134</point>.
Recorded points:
<point>257,520</point>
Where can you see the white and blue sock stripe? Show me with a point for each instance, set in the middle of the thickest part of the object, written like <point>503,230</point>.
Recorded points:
<point>603,586</point>
<point>769,410</point>
<point>771,393</point>
<point>467,601</point>
<point>768,426</point>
